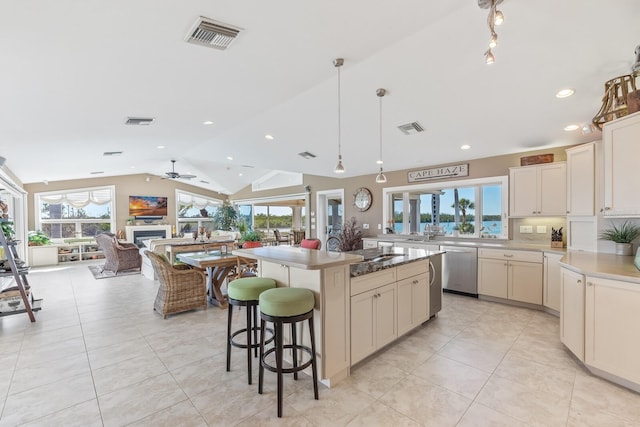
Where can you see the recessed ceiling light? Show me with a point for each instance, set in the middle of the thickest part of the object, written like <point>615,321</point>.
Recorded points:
<point>570,128</point>
<point>269,137</point>
<point>240,174</point>
<point>160,147</point>
<point>229,158</point>
<point>208,122</point>
<point>465,147</point>
<point>565,93</point>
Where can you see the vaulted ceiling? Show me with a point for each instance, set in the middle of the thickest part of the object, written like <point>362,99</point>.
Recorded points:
<point>73,71</point>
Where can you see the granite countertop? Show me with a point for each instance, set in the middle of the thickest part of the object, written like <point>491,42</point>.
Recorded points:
<point>307,259</point>
<point>607,266</point>
<point>471,243</point>
<point>377,259</point>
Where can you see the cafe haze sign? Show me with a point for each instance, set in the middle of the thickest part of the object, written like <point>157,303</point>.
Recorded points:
<point>441,172</point>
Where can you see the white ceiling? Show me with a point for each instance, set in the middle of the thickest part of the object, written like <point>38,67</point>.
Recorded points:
<point>72,71</point>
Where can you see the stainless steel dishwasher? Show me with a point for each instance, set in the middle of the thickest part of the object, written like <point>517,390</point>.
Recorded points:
<point>435,284</point>
<point>460,270</point>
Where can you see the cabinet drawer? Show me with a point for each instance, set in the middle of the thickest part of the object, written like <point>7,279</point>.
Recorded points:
<point>370,281</point>
<point>509,255</point>
<point>411,269</point>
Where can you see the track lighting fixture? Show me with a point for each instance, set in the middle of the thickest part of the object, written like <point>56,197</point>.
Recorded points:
<point>495,18</point>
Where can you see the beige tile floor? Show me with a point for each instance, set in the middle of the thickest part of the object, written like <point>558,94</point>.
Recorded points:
<point>99,355</point>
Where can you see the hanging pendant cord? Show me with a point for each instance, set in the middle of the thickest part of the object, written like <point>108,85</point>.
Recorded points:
<point>339,121</point>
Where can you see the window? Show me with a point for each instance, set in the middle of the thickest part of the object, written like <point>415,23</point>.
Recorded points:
<point>194,211</point>
<point>76,213</point>
<point>480,210</point>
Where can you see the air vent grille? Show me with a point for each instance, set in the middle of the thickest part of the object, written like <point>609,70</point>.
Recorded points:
<point>307,155</point>
<point>209,33</point>
<point>112,153</point>
<point>411,128</point>
<point>139,121</point>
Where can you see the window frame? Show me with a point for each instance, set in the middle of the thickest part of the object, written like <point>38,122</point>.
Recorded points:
<point>477,183</point>
<point>200,220</point>
<point>39,221</point>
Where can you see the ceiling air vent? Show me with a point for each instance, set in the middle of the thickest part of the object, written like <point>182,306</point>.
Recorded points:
<point>139,121</point>
<point>112,153</point>
<point>307,155</point>
<point>411,128</point>
<point>209,33</point>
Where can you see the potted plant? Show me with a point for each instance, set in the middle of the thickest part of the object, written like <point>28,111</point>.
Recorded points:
<point>251,239</point>
<point>622,236</point>
<point>7,229</point>
<point>226,217</point>
<point>350,236</point>
<point>38,238</point>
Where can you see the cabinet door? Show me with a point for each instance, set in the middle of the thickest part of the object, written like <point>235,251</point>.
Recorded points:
<point>552,189</point>
<point>492,277</point>
<point>386,328</point>
<point>523,191</point>
<point>612,336</point>
<point>275,271</point>
<point>582,233</point>
<point>405,305</point>
<point>420,302</point>
<point>621,153</point>
<point>551,282</point>
<point>525,282</point>
<point>581,180</point>
<point>363,340</point>
<point>572,311</point>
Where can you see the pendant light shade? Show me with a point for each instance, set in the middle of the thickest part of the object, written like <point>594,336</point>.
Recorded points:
<point>380,178</point>
<point>338,62</point>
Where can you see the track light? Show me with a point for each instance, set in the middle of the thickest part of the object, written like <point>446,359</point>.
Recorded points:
<point>494,18</point>
<point>499,18</point>
<point>494,41</point>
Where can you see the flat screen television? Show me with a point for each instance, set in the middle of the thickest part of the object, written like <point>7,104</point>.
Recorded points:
<point>147,207</point>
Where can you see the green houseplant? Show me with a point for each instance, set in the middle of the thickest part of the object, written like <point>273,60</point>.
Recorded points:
<point>38,238</point>
<point>7,229</point>
<point>251,239</point>
<point>622,235</point>
<point>226,217</point>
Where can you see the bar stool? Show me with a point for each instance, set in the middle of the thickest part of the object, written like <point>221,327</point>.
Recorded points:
<point>280,306</point>
<point>245,292</point>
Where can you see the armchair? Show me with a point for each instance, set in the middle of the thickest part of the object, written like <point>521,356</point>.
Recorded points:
<point>280,238</point>
<point>118,256</point>
<point>181,288</point>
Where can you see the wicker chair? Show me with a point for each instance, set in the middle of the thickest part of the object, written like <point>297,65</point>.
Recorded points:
<point>181,288</point>
<point>118,256</point>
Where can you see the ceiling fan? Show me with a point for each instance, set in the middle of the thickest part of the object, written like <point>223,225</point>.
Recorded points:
<point>175,175</point>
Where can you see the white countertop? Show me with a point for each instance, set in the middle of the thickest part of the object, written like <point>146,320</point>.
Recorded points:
<point>307,259</point>
<point>607,266</point>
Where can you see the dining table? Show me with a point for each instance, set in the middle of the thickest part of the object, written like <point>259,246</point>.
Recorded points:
<point>217,265</point>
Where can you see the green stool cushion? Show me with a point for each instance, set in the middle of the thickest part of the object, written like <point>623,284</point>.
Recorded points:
<point>249,288</point>
<point>286,302</point>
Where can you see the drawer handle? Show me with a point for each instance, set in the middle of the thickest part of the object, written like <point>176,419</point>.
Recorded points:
<point>509,256</point>
<point>579,281</point>
<point>415,282</point>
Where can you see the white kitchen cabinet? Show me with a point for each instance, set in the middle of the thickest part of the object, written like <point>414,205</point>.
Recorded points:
<point>621,152</point>
<point>581,180</point>
<point>417,245</point>
<point>572,298</point>
<point>538,190</point>
<point>373,320</point>
<point>612,336</point>
<point>514,275</point>
<point>551,281</point>
<point>582,233</point>
<point>275,271</point>
<point>492,277</point>
<point>413,295</point>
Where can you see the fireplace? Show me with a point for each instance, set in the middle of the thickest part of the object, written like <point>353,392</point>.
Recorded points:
<point>138,233</point>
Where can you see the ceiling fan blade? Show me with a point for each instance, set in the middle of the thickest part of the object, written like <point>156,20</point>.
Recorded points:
<point>187,176</point>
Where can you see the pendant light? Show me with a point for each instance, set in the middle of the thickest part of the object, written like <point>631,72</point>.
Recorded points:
<point>339,167</point>
<point>495,17</point>
<point>380,179</point>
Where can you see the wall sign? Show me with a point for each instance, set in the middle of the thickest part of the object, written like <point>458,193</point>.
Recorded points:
<point>453,171</point>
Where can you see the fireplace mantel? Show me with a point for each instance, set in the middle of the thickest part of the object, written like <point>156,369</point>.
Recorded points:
<point>129,229</point>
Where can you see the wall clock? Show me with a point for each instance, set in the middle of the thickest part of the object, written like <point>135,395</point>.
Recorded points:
<point>362,199</point>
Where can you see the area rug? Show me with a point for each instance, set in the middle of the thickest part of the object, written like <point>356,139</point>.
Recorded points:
<point>97,272</point>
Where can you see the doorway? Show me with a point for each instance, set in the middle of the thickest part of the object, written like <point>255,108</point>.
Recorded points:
<point>330,213</point>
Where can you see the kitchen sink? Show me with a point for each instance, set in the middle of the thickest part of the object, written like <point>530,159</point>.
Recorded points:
<point>381,258</point>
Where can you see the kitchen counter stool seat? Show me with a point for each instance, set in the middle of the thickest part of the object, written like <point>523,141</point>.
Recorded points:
<point>245,292</point>
<point>280,306</point>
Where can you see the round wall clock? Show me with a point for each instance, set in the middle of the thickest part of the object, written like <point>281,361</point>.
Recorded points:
<point>362,199</point>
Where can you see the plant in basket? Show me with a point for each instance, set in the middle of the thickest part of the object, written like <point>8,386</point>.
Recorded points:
<point>251,239</point>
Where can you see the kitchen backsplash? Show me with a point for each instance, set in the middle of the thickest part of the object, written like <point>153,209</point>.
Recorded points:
<point>536,230</point>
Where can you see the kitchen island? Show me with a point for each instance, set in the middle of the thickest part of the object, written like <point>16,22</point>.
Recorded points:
<point>338,293</point>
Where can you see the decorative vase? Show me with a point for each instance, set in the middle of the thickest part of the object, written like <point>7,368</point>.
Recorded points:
<point>624,249</point>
